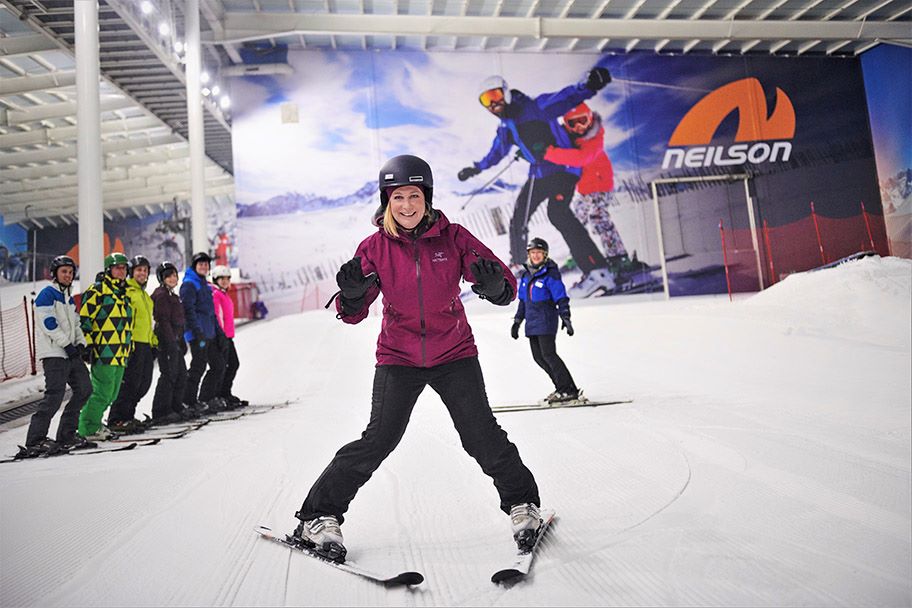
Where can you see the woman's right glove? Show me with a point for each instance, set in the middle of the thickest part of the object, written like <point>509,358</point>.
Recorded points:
<point>514,331</point>
<point>353,285</point>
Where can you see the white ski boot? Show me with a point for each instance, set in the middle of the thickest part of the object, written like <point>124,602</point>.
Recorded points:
<point>526,521</point>
<point>323,535</point>
<point>598,280</point>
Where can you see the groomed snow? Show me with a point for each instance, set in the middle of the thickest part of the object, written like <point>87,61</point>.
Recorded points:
<point>765,461</point>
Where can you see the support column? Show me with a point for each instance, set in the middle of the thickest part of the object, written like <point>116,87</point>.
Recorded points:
<point>90,204</point>
<point>195,128</point>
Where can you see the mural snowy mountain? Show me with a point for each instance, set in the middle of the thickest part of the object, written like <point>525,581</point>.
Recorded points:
<point>896,192</point>
<point>294,202</point>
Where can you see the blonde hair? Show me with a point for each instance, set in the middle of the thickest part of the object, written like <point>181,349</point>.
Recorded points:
<point>389,224</point>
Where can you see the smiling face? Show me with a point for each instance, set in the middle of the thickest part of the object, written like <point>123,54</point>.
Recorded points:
<point>141,274</point>
<point>119,271</point>
<point>407,206</point>
<point>537,256</point>
<point>65,275</point>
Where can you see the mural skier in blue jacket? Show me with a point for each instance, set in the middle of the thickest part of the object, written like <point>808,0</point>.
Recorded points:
<point>532,126</point>
<point>542,300</point>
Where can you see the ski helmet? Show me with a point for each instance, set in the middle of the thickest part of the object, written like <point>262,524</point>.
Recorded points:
<point>198,257</point>
<point>579,117</point>
<point>405,170</point>
<point>538,243</point>
<point>136,261</point>
<point>490,84</point>
<point>115,258</point>
<point>60,261</point>
<point>220,271</point>
<point>164,269</point>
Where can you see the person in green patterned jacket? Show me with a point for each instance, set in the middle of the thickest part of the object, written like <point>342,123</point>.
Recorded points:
<point>107,322</point>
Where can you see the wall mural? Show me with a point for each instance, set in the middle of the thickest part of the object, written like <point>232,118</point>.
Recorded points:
<point>675,154</point>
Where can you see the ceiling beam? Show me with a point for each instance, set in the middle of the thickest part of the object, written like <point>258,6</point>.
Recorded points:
<point>116,188</point>
<point>15,46</point>
<point>38,82</point>
<point>242,27</point>
<point>60,110</point>
<point>107,147</point>
<point>61,134</point>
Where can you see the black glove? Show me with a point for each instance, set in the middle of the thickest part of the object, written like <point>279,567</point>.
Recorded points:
<point>468,172</point>
<point>489,278</point>
<point>597,79</point>
<point>182,346</point>
<point>72,352</point>
<point>154,353</point>
<point>566,324</point>
<point>351,280</point>
<point>88,355</point>
<point>514,331</point>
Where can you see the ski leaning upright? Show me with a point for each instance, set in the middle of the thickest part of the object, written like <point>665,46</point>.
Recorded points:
<point>523,560</point>
<point>403,578</point>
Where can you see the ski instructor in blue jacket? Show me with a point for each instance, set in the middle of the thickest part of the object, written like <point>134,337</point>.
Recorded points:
<point>532,126</point>
<point>542,300</point>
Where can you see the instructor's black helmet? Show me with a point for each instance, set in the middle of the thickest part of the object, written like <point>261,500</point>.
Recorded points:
<point>136,261</point>
<point>164,269</point>
<point>201,256</point>
<point>538,243</point>
<point>405,170</point>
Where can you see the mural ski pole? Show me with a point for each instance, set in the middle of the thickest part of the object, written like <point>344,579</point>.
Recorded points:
<point>643,83</point>
<point>725,261</point>
<point>489,182</point>
<point>864,214</point>
<point>769,253</point>
<point>817,230</point>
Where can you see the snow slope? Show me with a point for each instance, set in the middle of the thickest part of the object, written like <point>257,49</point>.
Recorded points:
<point>765,461</point>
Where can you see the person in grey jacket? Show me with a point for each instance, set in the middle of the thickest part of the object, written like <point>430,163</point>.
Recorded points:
<point>60,344</point>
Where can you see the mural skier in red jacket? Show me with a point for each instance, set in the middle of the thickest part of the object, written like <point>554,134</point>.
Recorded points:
<point>416,259</point>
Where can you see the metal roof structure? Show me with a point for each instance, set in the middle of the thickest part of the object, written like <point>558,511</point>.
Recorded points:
<point>144,117</point>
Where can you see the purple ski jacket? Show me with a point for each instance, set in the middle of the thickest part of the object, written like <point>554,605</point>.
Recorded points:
<point>424,322</point>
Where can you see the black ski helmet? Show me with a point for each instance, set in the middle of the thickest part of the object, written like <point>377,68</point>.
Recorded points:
<point>59,262</point>
<point>538,243</point>
<point>406,170</point>
<point>165,268</point>
<point>136,261</point>
<point>198,257</point>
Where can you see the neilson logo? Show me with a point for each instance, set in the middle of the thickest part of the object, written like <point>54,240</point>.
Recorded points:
<point>689,144</point>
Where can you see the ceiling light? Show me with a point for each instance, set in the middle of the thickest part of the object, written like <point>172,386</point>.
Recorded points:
<point>225,102</point>
<point>206,91</point>
<point>164,29</point>
<point>146,7</point>
<point>204,77</point>
<point>178,47</point>
<point>216,89</point>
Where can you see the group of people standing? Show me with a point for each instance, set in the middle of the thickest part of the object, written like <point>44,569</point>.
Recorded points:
<point>120,330</point>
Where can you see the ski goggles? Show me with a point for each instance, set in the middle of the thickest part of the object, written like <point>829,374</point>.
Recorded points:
<point>491,96</point>
<point>579,122</point>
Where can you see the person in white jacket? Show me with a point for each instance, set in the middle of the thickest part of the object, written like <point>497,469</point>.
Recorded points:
<point>60,344</point>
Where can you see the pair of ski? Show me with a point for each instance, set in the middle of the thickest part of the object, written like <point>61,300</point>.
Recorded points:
<point>101,449</point>
<point>546,405</point>
<point>518,569</point>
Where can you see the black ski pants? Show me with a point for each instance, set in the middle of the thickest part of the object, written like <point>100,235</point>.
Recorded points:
<point>137,381</point>
<point>232,363</point>
<point>558,190</point>
<point>172,380</point>
<point>396,389</point>
<point>544,351</point>
<point>202,356</point>
<point>58,372</point>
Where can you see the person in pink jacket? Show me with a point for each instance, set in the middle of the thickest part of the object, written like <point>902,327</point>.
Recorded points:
<point>224,314</point>
<point>416,260</point>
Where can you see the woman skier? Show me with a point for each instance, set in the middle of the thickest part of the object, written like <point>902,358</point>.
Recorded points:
<point>416,260</point>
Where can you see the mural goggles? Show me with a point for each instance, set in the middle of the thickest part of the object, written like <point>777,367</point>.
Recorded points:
<point>579,122</point>
<point>491,96</point>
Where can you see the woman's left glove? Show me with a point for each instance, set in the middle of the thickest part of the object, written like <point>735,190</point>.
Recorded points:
<point>489,278</point>
<point>566,324</point>
<point>351,280</point>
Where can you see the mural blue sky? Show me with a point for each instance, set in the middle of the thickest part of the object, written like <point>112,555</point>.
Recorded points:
<point>888,82</point>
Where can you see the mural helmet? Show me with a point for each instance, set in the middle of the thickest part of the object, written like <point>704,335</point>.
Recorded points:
<point>60,261</point>
<point>198,257</point>
<point>164,269</point>
<point>115,258</point>
<point>136,261</point>
<point>493,88</point>
<point>538,243</point>
<point>405,170</point>
<point>220,271</point>
<point>578,119</point>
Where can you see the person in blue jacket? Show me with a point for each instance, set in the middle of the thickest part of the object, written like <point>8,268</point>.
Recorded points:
<point>542,300</point>
<point>532,126</point>
<point>201,327</point>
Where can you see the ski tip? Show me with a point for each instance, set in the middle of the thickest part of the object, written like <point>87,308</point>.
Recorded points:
<point>406,578</point>
<point>504,576</point>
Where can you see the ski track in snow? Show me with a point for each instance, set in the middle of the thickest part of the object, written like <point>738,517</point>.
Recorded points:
<point>764,461</point>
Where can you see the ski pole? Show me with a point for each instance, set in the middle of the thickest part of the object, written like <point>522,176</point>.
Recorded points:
<point>643,83</point>
<point>489,182</point>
